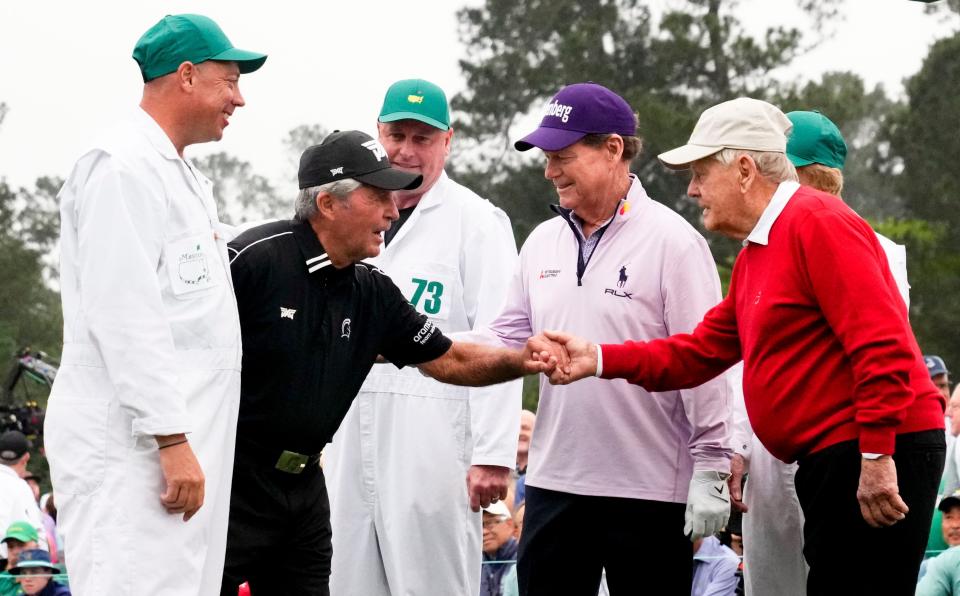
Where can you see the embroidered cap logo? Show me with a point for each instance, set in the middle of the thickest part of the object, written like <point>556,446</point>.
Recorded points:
<point>376,148</point>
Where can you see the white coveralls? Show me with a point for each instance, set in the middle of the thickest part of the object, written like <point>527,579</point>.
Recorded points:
<point>396,469</point>
<point>773,560</point>
<point>151,347</point>
<point>17,504</point>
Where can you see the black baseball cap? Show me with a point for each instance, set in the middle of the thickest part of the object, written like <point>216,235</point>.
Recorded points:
<point>948,501</point>
<point>352,154</point>
<point>13,444</point>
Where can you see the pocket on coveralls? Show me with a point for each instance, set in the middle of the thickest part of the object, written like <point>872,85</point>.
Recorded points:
<point>76,443</point>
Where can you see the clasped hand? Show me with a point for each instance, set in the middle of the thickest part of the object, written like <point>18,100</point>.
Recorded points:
<point>575,358</point>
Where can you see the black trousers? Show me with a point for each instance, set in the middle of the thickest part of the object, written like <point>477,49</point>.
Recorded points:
<point>847,556</point>
<point>569,539</point>
<point>279,534</point>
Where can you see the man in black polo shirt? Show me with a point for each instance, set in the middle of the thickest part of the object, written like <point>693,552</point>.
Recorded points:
<point>314,319</point>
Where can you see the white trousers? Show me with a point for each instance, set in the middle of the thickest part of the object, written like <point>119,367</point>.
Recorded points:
<point>117,537</point>
<point>396,475</point>
<point>773,563</point>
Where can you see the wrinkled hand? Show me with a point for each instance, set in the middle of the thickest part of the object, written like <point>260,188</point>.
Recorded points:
<point>582,354</point>
<point>543,356</point>
<point>184,478</point>
<point>487,484</point>
<point>738,467</point>
<point>879,496</point>
<point>708,504</point>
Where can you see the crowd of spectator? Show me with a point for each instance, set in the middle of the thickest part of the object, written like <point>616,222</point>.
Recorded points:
<point>32,561</point>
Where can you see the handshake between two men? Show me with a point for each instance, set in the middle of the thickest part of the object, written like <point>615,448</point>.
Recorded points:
<point>567,357</point>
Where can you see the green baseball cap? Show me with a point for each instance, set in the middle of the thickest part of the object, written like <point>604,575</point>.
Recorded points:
<point>180,38</point>
<point>416,99</point>
<point>815,139</point>
<point>22,531</point>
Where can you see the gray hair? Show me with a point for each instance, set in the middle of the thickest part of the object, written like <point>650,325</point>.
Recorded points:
<point>305,207</point>
<point>774,166</point>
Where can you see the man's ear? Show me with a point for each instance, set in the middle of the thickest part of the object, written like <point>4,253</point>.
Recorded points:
<point>448,141</point>
<point>325,204</point>
<point>747,172</point>
<point>187,75</point>
<point>614,145</point>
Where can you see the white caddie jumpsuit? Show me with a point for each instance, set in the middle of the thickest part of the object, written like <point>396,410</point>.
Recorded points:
<point>396,469</point>
<point>151,347</point>
<point>773,561</point>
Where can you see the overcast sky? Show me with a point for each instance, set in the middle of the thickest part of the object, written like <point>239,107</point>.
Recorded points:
<point>67,72</point>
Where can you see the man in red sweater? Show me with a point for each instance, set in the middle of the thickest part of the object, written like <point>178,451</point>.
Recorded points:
<point>833,377</point>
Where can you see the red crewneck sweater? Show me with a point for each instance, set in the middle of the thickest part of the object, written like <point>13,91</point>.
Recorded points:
<point>824,335</point>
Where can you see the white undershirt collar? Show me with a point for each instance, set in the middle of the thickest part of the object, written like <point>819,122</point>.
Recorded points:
<point>761,232</point>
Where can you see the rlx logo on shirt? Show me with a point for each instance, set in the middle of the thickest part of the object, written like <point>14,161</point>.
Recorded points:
<point>621,282</point>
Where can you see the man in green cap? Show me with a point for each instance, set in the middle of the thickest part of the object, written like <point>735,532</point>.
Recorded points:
<point>151,334</point>
<point>19,536</point>
<point>396,466</point>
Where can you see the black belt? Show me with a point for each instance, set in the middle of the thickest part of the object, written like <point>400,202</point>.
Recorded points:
<point>284,460</point>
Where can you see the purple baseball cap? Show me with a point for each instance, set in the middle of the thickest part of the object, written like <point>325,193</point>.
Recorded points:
<point>576,111</point>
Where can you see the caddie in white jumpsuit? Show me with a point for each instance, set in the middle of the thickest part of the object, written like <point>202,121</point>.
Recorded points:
<point>151,334</point>
<point>773,524</point>
<point>396,469</point>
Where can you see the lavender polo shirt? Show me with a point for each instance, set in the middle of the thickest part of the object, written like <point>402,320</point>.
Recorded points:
<point>651,275</point>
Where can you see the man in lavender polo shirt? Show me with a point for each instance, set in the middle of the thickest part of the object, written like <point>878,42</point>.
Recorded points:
<point>624,473</point>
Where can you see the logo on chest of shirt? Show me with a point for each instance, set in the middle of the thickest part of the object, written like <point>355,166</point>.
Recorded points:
<point>345,329</point>
<point>621,282</point>
<point>287,313</point>
<point>546,273</point>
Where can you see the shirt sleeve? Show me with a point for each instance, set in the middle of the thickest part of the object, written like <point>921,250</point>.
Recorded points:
<point>488,259</point>
<point>741,433</point>
<point>937,580</point>
<point>512,326</point>
<point>119,220</point>
<point>867,317</point>
<point>724,579</point>
<point>408,336</point>
<point>691,287</point>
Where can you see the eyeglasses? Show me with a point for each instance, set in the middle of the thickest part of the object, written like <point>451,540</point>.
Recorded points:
<point>489,523</point>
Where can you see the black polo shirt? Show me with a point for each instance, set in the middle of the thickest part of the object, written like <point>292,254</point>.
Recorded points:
<point>311,333</point>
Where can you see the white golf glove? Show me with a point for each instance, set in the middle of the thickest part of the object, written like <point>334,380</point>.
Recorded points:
<point>708,504</point>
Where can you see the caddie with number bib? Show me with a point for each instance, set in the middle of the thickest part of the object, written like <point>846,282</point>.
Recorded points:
<point>141,422</point>
<point>451,254</point>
